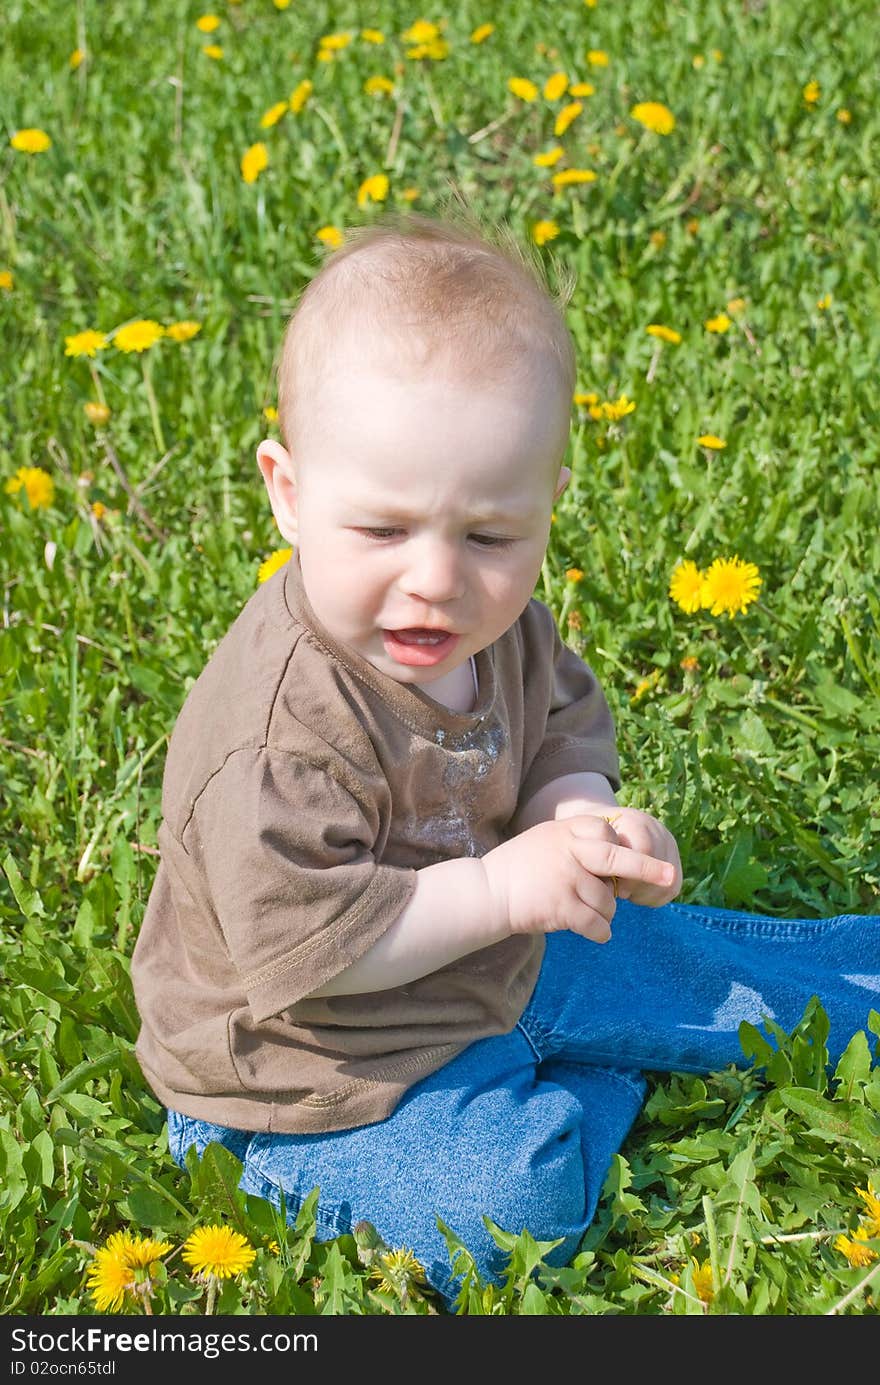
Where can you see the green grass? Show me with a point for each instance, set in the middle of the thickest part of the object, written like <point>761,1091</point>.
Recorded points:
<point>761,754</point>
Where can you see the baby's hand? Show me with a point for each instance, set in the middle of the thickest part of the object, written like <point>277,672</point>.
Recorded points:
<point>559,875</point>
<point>644,833</point>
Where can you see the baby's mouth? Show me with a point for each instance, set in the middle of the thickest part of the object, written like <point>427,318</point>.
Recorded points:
<point>418,635</point>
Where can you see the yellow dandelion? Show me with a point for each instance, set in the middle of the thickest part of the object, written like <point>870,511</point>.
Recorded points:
<point>704,1286</point>
<point>330,235</point>
<point>423,31</point>
<point>690,663</point>
<point>730,586</point>
<point>823,302</point>
<point>373,189</point>
<point>253,161</point>
<point>99,510</point>
<point>549,157</point>
<point>597,57</point>
<point>644,686</point>
<point>270,413</point>
<point>856,1251</point>
<point>717,55</point>
<point>657,239</point>
<point>582,89</point>
<point>482,32</point>
<point>397,1270</point>
<point>565,117</point>
<point>555,86</point>
<point>686,586</point>
<point>811,93</point>
<point>573,574</point>
<point>698,61</point>
<point>335,43</point>
<point>870,1223</point>
<point>654,116</point>
<point>843,116</point>
<point>372,36</point>
<point>273,114</point>
<point>378,86</point>
<point>279,4</point>
<point>617,409</point>
<point>31,141</point>
<point>207,23</point>
<point>720,324</point>
<point>271,564</point>
<point>542,231</point>
<point>736,306</point>
<point>300,95</point>
<point>84,343</point>
<point>712,441</point>
<point>567,177</point>
<point>410,194</point>
<point>214,51</point>
<point>76,58</point>
<point>522,88</point>
<point>37,485</point>
<point>692,226</point>
<point>110,1276</point>
<point>218,1251</point>
<point>584,399</point>
<point>183,331</point>
<point>7,280</point>
<point>656,329</point>
<point>96,412</point>
<point>138,336</point>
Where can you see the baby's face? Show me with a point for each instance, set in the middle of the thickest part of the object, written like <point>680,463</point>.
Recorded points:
<point>423,509</point>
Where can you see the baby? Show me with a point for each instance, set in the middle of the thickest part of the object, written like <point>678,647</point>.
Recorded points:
<point>391,839</point>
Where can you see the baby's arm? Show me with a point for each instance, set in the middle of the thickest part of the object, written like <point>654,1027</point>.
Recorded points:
<point>553,876</point>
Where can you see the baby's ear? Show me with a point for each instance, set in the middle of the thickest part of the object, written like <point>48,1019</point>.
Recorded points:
<point>276,466</point>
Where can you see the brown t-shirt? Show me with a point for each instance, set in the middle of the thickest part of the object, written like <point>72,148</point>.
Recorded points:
<point>303,789</point>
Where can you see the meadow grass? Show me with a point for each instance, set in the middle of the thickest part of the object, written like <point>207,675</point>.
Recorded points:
<point>755,736</point>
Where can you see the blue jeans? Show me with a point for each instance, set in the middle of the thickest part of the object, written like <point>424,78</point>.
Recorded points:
<point>522,1127</point>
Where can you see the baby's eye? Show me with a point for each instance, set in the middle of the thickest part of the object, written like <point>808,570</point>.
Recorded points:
<point>381,533</point>
<point>491,541</point>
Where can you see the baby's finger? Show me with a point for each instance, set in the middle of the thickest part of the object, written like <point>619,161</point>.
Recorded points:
<point>607,859</point>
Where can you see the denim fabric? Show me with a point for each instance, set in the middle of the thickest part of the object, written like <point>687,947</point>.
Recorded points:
<point>522,1127</point>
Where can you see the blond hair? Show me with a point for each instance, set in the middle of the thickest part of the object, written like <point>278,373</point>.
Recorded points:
<point>446,293</point>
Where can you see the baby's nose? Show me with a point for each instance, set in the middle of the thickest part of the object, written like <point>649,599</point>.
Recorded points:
<point>434,573</point>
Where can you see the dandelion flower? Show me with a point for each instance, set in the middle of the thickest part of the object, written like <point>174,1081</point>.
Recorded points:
<point>617,409</point>
<point>857,1253</point>
<point>481,33</point>
<point>548,157</point>
<point>522,88</point>
<point>270,413</point>
<point>273,114</point>
<point>138,336</point>
<point>573,574</point>
<point>207,23</point>
<point>657,239</point>
<point>736,305</point>
<point>397,1270</point>
<point>253,161</point>
<point>423,31</point>
<point>812,92</point>
<point>555,86</point>
<point>330,235</point>
<point>99,509</point>
<point>730,586</point>
<point>36,483</point>
<point>96,412</point>
<point>6,280</point>
<point>656,329</point>
<point>76,58</point>
<point>597,57</point>
<point>110,1276</point>
<point>654,116</point>
<point>183,331</point>
<point>823,302</point>
<point>279,4</point>
<point>844,116</point>
<point>582,89</point>
<point>870,1223</point>
<point>271,564</point>
<point>218,1251</point>
<point>372,36</point>
<point>378,86</point>
<point>712,441</point>
<point>720,324</point>
<point>410,194</point>
<point>213,50</point>
<point>686,587</point>
<point>542,231</point>
<point>585,399</point>
<point>566,116</point>
<point>335,43</point>
<point>703,1283</point>
<point>373,189</point>
<point>31,141</point>
<point>300,95</point>
<point>569,176</point>
<point>84,343</point>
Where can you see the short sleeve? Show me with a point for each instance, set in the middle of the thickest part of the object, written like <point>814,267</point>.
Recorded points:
<point>579,732</point>
<point>287,854</point>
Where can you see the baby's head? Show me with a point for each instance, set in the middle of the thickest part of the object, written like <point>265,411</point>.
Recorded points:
<point>425,390</point>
